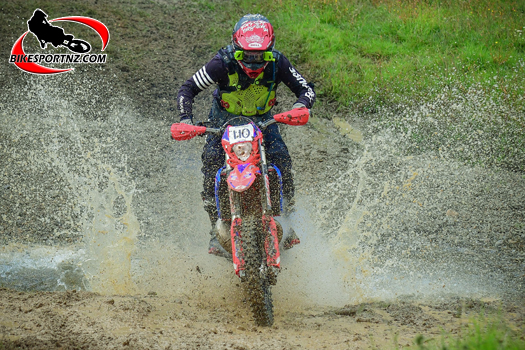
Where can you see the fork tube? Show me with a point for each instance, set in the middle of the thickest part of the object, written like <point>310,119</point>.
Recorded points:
<point>228,167</point>
<point>267,204</point>
<point>271,241</point>
<point>236,233</point>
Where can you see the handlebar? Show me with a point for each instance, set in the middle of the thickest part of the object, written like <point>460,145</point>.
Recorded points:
<point>182,132</point>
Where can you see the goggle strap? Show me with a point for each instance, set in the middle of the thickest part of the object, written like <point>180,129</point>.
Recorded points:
<point>267,56</point>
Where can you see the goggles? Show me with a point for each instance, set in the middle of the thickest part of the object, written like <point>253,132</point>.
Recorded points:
<point>253,56</point>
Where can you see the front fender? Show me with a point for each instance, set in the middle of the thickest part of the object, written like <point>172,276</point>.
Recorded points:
<point>242,176</point>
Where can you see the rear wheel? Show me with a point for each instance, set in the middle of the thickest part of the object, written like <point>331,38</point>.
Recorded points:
<point>257,286</point>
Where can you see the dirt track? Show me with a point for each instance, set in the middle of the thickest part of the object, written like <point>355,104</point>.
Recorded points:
<point>80,320</point>
<point>88,166</point>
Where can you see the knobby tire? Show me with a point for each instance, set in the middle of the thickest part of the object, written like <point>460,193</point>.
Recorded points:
<point>79,46</point>
<point>258,288</point>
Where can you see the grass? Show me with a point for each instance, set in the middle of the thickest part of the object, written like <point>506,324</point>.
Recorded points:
<point>364,52</point>
<point>407,65</point>
<point>479,336</point>
<point>371,56</point>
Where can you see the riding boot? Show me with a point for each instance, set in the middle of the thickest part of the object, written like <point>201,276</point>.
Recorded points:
<point>290,238</point>
<point>215,247</point>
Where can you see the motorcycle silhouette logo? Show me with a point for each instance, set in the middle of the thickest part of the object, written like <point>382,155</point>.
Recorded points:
<point>46,33</point>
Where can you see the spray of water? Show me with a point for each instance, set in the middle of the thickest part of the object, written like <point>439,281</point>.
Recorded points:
<point>94,181</point>
<point>375,220</point>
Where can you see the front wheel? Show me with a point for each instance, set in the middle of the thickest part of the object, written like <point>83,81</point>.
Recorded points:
<point>256,284</point>
<point>78,46</point>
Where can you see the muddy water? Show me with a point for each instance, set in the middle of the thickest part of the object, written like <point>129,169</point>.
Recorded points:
<point>97,197</point>
<point>422,225</point>
<point>62,170</point>
<point>94,196</point>
<point>30,268</point>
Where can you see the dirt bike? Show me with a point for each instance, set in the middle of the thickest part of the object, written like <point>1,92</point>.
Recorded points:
<point>246,189</point>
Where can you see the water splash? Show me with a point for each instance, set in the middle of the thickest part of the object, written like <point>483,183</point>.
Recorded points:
<point>376,220</point>
<point>423,225</point>
<point>105,196</point>
<point>73,152</point>
<point>111,239</point>
<point>30,268</point>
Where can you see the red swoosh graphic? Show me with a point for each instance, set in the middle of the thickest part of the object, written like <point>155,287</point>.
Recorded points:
<point>31,67</point>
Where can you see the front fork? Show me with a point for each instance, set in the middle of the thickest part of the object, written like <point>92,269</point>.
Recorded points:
<point>271,240</point>
<point>236,227</point>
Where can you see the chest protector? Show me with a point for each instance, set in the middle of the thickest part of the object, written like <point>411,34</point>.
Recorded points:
<point>246,96</point>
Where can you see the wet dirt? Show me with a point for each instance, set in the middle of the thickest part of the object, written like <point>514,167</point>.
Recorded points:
<point>96,197</point>
<point>83,320</point>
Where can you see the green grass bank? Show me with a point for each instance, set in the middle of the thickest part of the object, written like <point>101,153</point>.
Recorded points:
<point>479,335</point>
<point>446,77</point>
<point>369,52</point>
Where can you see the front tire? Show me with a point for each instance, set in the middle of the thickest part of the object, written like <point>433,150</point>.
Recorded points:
<point>256,284</point>
<point>78,46</point>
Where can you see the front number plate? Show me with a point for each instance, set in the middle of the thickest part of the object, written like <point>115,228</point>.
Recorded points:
<point>242,133</point>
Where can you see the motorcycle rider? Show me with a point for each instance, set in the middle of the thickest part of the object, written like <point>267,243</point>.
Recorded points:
<point>247,74</point>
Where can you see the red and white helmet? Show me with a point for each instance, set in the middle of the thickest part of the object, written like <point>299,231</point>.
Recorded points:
<point>253,35</point>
